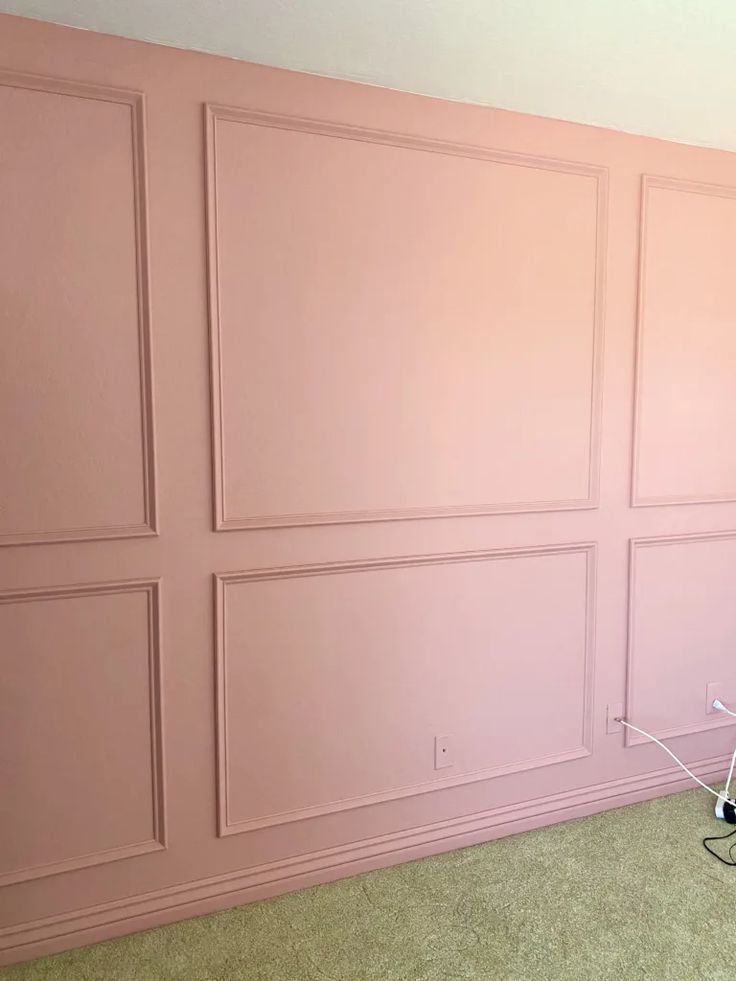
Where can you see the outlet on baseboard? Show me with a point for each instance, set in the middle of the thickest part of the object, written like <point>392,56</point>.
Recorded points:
<point>614,711</point>
<point>719,689</point>
<point>442,752</point>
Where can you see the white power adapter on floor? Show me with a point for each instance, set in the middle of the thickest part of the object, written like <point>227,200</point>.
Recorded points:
<point>726,810</point>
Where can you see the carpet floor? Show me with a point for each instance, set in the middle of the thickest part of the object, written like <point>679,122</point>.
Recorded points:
<point>629,894</point>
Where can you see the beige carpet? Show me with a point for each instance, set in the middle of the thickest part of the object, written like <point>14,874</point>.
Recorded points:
<point>627,895</point>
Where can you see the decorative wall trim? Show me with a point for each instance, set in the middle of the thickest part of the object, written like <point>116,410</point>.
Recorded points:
<point>108,919</point>
<point>152,588</point>
<point>717,721</point>
<point>221,582</point>
<point>225,522</point>
<point>136,103</point>
<point>649,181</point>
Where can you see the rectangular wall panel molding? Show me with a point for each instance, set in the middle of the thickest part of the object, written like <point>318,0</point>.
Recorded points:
<point>366,309</point>
<point>686,349</point>
<point>459,609</point>
<point>682,632</point>
<point>490,396</point>
<point>76,389</point>
<point>80,730</point>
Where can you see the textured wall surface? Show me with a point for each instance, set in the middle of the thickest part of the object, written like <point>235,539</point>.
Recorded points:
<point>363,456</point>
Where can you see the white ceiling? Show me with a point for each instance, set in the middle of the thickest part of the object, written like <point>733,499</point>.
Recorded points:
<point>663,68</point>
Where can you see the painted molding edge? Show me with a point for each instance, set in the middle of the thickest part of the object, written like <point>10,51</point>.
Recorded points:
<point>227,827</point>
<point>158,842</point>
<point>649,181</point>
<point>223,522</point>
<point>717,721</point>
<point>207,895</point>
<point>136,103</point>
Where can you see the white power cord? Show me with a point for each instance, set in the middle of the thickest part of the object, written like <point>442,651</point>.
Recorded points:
<point>648,735</point>
<point>720,707</point>
<point>722,796</point>
<point>730,773</point>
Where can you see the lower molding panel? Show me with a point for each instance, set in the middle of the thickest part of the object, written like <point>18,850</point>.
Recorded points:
<point>262,700</point>
<point>106,920</point>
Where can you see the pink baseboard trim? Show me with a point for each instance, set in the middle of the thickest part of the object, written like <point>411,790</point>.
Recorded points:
<point>196,898</point>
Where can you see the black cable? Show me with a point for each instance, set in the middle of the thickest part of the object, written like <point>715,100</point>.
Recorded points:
<point>730,850</point>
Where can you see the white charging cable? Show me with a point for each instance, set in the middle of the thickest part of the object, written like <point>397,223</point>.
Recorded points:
<point>720,707</point>
<point>723,796</point>
<point>730,773</point>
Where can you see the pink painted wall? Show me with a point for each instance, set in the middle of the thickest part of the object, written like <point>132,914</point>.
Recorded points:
<point>314,452</point>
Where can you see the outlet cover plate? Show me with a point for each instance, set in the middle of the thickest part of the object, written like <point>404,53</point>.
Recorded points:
<point>442,752</point>
<point>615,710</point>
<point>725,692</point>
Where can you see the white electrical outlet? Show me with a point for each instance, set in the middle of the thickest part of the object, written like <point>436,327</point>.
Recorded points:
<point>613,712</point>
<point>721,690</point>
<point>442,752</point>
